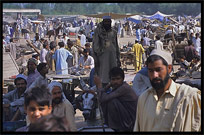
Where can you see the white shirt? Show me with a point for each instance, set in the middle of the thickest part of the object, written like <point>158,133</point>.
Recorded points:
<point>43,54</point>
<point>89,61</point>
<point>83,40</point>
<point>158,45</point>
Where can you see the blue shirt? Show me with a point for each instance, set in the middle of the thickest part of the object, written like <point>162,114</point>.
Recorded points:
<point>61,56</point>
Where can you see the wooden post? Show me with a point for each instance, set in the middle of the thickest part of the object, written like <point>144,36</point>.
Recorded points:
<point>174,44</point>
<point>33,46</point>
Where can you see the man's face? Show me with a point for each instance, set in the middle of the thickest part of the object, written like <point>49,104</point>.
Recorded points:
<point>158,74</point>
<point>31,66</point>
<point>44,70</point>
<point>116,81</point>
<point>21,85</point>
<point>34,111</point>
<point>56,95</point>
<point>107,24</point>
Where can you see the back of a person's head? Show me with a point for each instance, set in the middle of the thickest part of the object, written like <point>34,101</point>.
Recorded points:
<point>41,66</point>
<point>45,44</point>
<point>50,123</point>
<point>52,45</point>
<point>190,42</point>
<point>61,44</point>
<point>115,72</point>
<point>157,37</point>
<point>40,95</point>
<point>70,43</point>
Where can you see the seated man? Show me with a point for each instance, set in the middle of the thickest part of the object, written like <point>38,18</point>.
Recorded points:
<point>61,106</point>
<point>86,61</point>
<point>12,105</point>
<point>118,105</point>
<point>37,103</point>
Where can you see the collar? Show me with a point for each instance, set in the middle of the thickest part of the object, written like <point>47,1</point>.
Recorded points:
<point>172,89</point>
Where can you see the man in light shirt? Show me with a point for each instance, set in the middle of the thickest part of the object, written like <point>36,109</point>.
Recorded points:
<point>158,43</point>
<point>167,106</point>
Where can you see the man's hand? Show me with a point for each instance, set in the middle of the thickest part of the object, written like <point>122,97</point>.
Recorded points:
<point>97,81</point>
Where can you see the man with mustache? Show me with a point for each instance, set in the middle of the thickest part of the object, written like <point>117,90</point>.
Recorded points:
<point>61,106</point>
<point>13,108</point>
<point>118,101</point>
<point>167,106</point>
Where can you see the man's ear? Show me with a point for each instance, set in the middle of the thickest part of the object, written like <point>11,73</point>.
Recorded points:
<point>169,68</point>
<point>50,109</point>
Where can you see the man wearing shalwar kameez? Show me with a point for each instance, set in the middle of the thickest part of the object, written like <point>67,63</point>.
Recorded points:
<point>105,47</point>
<point>138,51</point>
<point>61,57</point>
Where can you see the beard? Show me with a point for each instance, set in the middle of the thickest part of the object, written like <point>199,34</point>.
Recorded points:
<point>107,27</point>
<point>161,84</point>
<point>57,100</point>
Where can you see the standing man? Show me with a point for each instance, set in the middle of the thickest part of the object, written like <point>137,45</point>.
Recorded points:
<point>32,71</point>
<point>158,43</point>
<point>167,106</point>
<point>41,79</point>
<point>61,57</point>
<point>43,52</point>
<point>74,51</point>
<point>83,39</point>
<point>60,105</point>
<point>197,43</point>
<point>105,49</point>
<point>138,51</point>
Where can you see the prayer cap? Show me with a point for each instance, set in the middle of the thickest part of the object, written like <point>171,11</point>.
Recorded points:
<point>58,84</point>
<point>164,54</point>
<point>106,17</point>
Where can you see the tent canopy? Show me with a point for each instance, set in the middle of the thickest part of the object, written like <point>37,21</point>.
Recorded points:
<point>113,15</point>
<point>158,15</point>
<point>9,20</point>
<point>198,16</point>
<point>135,18</point>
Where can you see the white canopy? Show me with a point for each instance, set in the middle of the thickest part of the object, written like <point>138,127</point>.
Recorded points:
<point>198,16</point>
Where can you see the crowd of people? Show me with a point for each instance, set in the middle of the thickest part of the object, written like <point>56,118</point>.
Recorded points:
<point>154,103</point>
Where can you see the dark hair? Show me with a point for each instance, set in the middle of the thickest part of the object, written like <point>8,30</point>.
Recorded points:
<point>182,57</point>
<point>61,44</point>
<point>45,44</point>
<point>115,72</point>
<point>70,43</point>
<point>85,51</point>
<point>41,66</point>
<point>50,123</point>
<point>11,40</point>
<point>157,37</point>
<point>197,57</point>
<point>40,95</point>
<point>52,45</point>
<point>88,44</point>
<point>190,42</point>
<point>19,78</point>
<point>154,58</point>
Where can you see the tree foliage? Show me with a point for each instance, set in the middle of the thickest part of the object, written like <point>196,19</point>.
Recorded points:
<point>94,8</point>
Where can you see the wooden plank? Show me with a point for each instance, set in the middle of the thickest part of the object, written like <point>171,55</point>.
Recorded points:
<point>10,67</point>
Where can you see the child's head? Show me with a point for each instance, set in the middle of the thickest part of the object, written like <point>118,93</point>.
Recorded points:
<point>38,103</point>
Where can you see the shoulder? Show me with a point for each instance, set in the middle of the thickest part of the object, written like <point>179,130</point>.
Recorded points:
<point>145,94</point>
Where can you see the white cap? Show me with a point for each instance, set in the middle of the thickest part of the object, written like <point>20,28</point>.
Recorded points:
<point>164,54</point>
